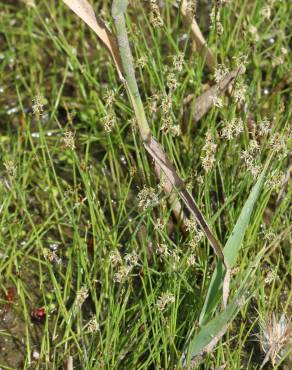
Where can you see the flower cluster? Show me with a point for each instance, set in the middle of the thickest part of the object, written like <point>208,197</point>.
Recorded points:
<point>253,32</point>
<point>169,127</point>
<point>220,72</point>
<point>38,105</point>
<point>147,197</point>
<point>217,101</point>
<point>164,300</point>
<point>109,122</point>
<point>191,224</point>
<point>171,81</point>
<point>264,127</point>
<point>191,260</point>
<point>152,103</point>
<point>209,151</point>
<point>81,296</point>
<point>125,267</point>
<point>141,62</point>
<point>197,237</point>
<point>92,325</point>
<point>29,3</point>
<point>175,259</point>
<point>178,62</point>
<point>163,251</point>
<point>239,91</point>
<point>249,157</point>
<point>266,11</point>
<point>155,16</point>
<point>159,224</point>
<point>277,143</point>
<point>10,168</point>
<point>115,258</point>
<point>232,128</point>
<point>109,98</point>
<point>275,337</point>
<point>69,140</point>
<point>216,21</point>
<point>276,180</point>
<point>122,274</point>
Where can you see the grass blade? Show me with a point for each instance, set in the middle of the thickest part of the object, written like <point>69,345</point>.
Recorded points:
<point>212,331</point>
<point>232,248</point>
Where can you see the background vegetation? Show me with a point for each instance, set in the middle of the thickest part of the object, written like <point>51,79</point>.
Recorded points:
<point>93,264</point>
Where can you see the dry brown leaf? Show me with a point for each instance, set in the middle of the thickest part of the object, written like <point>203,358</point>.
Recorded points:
<point>198,37</point>
<point>175,182</point>
<point>85,11</point>
<point>160,158</point>
<point>69,363</point>
<point>204,102</point>
<point>173,199</point>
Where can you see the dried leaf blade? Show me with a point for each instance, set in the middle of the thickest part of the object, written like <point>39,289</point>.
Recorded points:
<point>84,10</point>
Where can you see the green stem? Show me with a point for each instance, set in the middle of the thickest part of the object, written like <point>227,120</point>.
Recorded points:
<point>118,9</point>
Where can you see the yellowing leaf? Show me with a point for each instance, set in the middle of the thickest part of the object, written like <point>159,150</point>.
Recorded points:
<point>85,11</point>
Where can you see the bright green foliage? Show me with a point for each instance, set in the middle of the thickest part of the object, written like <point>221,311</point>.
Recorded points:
<point>72,170</point>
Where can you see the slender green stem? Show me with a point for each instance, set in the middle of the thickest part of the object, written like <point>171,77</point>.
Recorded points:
<point>118,9</point>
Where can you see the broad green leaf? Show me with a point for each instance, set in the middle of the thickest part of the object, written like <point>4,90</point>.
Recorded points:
<point>231,249</point>
<point>210,333</point>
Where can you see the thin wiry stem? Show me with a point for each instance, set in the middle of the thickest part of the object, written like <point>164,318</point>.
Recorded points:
<point>119,8</point>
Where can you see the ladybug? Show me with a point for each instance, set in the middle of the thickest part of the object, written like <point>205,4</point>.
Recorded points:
<point>38,314</point>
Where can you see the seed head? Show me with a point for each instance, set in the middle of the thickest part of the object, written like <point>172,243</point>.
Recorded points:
<point>162,250</point>
<point>122,274</point>
<point>92,325</point>
<point>109,122</point>
<point>172,81</point>
<point>209,151</point>
<point>166,104</point>
<point>131,259</point>
<point>109,98</point>
<point>164,300</point>
<point>220,72</point>
<point>266,12</point>
<point>169,127</point>
<point>178,62</point>
<point>10,168</point>
<point>275,337</point>
<point>232,128</point>
<point>217,101</point>
<point>38,105</point>
<point>81,296</point>
<point>69,140</point>
<point>191,261</point>
<point>147,197</point>
<point>155,17</point>
<point>254,33</point>
<point>115,258</point>
<point>264,127</point>
<point>239,92</point>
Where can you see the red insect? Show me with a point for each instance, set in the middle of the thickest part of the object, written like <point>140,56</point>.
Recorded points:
<point>38,314</point>
<point>9,298</point>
